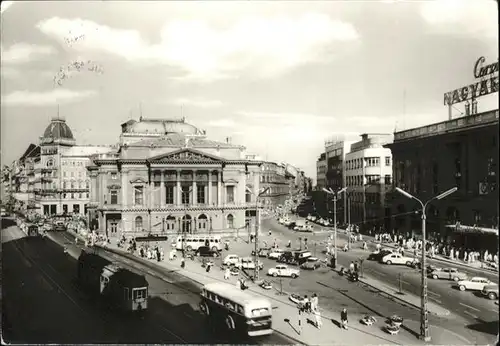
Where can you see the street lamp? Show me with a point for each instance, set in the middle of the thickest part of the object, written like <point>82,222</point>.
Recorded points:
<point>424,319</point>
<point>256,256</point>
<point>334,194</point>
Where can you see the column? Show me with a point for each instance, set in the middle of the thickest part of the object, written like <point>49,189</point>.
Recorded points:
<point>178,189</point>
<point>209,192</point>
<point>194,189</point>
<point>124,201</point>
<point>162,189</point>
<point>219,188</point>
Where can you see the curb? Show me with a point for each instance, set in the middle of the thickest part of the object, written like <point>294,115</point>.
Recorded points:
<point>417,307</point>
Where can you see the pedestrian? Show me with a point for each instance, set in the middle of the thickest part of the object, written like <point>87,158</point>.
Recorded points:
<point>343,318</point>
<point>317,316</point>
<point>351,267</point>
<point>209,264</point>
<point>227,274</point>
<point>356,267</point>
<point>76,241</point>
<point>314,302</point>
<point>269,233</point>
<point>183,263</point>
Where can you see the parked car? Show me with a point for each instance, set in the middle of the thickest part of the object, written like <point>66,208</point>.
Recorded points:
<point>490,291</point>
<point>292,224</point>
<point>396,258</point>
<point>378,255</point>
<point>231,260</point>
<point>312,263</point>
<point>248,263</point>
<point>448,274</point>
<point>262,252</point>
<point>474,284</point>
<point>283,270</point>
<point>297,298</point>
<point>275,253</point>
<point>207,251</point>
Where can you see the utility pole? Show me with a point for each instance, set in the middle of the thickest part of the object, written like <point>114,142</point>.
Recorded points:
<point>256,256</point>
<point>334,194</point>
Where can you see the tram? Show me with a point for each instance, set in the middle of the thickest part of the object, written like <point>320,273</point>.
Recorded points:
<point>118,286</point>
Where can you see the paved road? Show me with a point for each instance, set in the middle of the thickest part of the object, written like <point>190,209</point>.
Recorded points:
<point>43,305</point>
<point>469,305</point>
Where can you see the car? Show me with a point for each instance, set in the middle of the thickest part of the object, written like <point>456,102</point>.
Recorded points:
<point>297,298</point>
<point>231,260</point>
<point>206,251</point>
<point>275,253</point>
<point>396,258</point>
<point>262,252</point>
<point>448,274</point>
<point>378,255</point>
<point>312,263</point>
<point>474,284</point>
<point>490,291</point>
<point>248,263</point>
<point>283,270</point>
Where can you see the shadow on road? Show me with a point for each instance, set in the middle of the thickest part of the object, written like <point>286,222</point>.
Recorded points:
<point>484,327</point>
<point>7,222</point>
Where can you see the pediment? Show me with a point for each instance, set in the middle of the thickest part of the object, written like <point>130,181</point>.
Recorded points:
<point>185,155</point>
<point>138,181</point>
<point>230,181</point>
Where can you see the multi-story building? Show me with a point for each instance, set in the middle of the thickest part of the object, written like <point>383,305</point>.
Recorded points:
<point>166,176</point>
<point>429,160</point>
<point>321,172</point>
<point>335,151</point>
<point>273,178</point>
<point>64,184</point>
<point>368,168</point>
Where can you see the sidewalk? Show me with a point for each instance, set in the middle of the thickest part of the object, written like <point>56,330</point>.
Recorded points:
<point>479,265</point>
<point>286,318</point>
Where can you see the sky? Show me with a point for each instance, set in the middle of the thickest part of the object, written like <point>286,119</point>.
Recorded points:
<point>278,77</point>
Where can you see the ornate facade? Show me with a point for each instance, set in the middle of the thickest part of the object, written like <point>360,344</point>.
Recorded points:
<point>167,177</point>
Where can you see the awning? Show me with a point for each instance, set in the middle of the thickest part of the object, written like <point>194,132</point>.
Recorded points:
<point>473,229</point>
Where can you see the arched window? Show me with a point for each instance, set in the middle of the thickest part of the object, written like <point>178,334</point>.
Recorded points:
<point>72,185</point>
<point>202,221</point>
<point>170,222</point>
<point>230,221</point>
<point>65,185</point>
<point>138,223</point>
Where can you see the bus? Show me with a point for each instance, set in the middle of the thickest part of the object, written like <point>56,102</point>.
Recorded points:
<point>192,242</point>
<point>236,311</point>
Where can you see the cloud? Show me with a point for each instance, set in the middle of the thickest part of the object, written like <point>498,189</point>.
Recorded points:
<point>200,103</point>
<point>24,52</point>
<point>57,96</point>
<point>263,46</point>
<point>285,118</point>
<point>226,123</point>
<point>462,17</point>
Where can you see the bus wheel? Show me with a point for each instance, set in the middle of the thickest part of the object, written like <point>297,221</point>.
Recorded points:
<point>230,322</point>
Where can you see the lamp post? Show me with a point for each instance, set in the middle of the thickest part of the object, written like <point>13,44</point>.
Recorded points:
<point>334,194</point>
<point>256,249</point>
<point>424,319</point>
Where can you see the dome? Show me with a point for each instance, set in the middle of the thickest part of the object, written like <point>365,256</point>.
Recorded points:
<point>58,129</point>
<point>161,126</point>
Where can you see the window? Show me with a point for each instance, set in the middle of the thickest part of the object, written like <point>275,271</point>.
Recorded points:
<point>87,195</point>
<point>139,196</point>
<point>248,197</point>
<point>72,174</point>
<point>387,179</point>
<point>87,185</point>
<point>200,193</point>
<point>72,196</point>
<point>114,197</point>
<point>138,224</point>
<point>185,194</point>
<point>126,294</point>
<point>79,174</point>
<point>64,174</point>
<point>114,176</point>
<point>230,221</point>
<point>65,185</point>
<point>387,160</point>
<point>169,195</point>
<point>72,186</point>
<point>229,194</point>
<point>50,162</point>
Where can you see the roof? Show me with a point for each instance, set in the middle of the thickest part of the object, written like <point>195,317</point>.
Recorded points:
<point>179,140</point>
<point>32,151</point>
<point>233,293</point>
<point>159,126</point>
<point>58,129</point>
<point>88,150</point>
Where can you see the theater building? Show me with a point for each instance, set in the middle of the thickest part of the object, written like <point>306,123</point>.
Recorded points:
<point>168,177</point>
<point>429,160</point>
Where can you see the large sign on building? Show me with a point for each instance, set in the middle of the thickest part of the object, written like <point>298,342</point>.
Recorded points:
<point>487,84</point>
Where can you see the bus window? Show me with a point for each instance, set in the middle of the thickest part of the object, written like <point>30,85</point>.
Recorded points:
<point>126,293</point>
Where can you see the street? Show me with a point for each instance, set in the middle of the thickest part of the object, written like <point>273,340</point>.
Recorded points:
<point>42,304</point>
<point>333,289</point>
<point>471,304</point>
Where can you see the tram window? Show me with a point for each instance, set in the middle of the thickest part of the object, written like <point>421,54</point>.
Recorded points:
<point>140,293</point>
<point>240,309</point>
<point>126,295</point>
